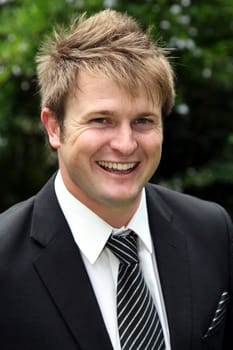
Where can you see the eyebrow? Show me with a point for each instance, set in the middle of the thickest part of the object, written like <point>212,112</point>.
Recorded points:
<point>112,113</point>
<point>104,112</point>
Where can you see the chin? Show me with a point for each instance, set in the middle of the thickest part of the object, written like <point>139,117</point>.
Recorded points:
<point>123,200</point>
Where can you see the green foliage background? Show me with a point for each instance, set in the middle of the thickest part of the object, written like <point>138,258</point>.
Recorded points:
<point>198,144</point>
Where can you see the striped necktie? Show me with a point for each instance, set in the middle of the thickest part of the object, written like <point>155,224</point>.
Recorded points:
<point>138,321</point>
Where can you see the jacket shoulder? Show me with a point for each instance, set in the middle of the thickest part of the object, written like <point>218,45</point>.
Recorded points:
<point>16,217</point>
<point>187,208</point>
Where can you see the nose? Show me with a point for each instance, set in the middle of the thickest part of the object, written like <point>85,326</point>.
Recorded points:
<point>124,140</point>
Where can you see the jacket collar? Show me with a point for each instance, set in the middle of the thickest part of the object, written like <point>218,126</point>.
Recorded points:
<point>173,265</point>
<point>61,269</point>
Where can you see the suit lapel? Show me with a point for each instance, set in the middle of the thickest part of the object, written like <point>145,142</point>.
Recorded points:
<point>61,269</point>
<point>173,265</point>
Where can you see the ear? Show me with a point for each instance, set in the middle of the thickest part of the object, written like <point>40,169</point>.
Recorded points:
<point>52,127</point>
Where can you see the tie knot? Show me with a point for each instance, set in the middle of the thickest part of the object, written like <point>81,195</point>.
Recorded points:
<point>124,247</point>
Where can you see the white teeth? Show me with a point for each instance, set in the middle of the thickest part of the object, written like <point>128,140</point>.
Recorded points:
<point>117,166</point>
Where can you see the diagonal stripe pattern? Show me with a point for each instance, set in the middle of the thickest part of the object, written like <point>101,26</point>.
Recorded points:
<point>138,321</point>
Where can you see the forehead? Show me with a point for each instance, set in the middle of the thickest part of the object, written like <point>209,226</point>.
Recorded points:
<point>97,87</point>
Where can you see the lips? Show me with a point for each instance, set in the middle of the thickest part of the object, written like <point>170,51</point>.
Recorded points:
<point>117,167</point>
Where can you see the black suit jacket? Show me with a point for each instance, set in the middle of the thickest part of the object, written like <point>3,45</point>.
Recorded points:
<point>46,299</point>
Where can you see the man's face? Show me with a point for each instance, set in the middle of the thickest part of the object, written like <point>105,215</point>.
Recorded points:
<point>111,143</point>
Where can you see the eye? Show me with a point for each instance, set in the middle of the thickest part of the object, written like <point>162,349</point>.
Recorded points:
<point>100,120</point>
<point>144,123</point>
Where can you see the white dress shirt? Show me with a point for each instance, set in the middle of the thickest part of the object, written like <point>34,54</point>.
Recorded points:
<point>91,233</point>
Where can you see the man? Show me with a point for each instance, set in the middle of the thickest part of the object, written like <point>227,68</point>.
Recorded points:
<point>106,88</point>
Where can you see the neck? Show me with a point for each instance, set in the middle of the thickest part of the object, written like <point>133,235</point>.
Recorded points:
<point>116,217</point>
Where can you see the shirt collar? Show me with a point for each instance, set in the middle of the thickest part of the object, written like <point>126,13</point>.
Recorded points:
<point>87,227</point>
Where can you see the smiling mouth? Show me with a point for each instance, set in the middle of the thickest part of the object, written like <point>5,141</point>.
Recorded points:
<point>118,168</point>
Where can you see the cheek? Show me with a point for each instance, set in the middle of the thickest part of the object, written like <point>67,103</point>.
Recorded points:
<point>153,144</point>
<point>85,134</point>
<point>75,135</point>
<point>81,147</point>
<point>158,140</point>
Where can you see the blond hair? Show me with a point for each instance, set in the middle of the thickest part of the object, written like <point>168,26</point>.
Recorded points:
<point>109,43</point>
